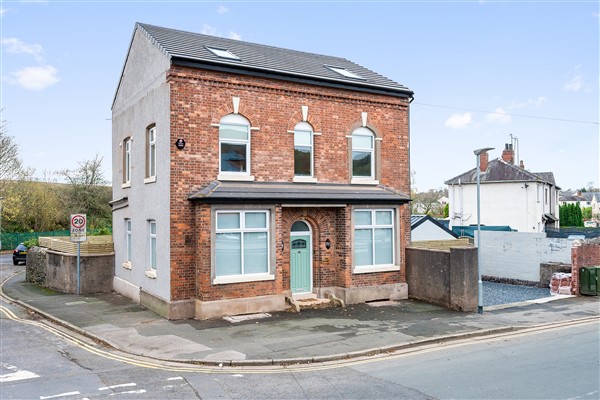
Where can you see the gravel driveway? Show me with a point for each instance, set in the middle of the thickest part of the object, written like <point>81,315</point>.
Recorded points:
<point>502,293</point>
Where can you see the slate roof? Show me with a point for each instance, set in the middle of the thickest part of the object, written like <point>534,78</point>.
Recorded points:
<point>584,196</point>
<point>284,192</point>
<point>501,171</point>
<point>190,47</point>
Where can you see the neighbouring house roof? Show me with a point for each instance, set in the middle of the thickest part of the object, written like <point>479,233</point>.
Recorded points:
<point>469,231</point>
<point>296,193</point>
<point>501,171</point>
<point>579,196</point>
<point>189,48</point>
<point>416,220</point>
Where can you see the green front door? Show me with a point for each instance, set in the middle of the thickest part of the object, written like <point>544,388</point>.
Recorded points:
<point>300,264</point>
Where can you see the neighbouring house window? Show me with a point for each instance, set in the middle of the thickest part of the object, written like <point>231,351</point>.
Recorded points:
<point>242,243</point>
<point>546,196</point>
<point>373,237</point>
<point>128,244</point>
<point>234,145</point>
<point>127,160</point>
<point>151,152</point>
<point>152,231</point>
<point>303,150</point>
<point>363,153</point>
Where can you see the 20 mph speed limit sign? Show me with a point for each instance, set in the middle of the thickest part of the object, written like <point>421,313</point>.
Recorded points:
<point>78,228</point>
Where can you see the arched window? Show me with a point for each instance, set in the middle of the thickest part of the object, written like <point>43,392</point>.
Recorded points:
<point>363,153</point>
<point>303,150</point>
<point>300,226</point>
<point>234,145</point>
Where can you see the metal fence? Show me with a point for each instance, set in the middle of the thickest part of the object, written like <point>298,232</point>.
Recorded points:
<point>588,233</point>
<point>10,240</point>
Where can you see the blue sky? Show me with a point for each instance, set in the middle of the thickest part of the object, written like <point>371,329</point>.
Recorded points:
<point>480,71</point>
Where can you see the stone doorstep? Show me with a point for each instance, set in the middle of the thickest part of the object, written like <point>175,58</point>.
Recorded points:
<point>309,300</point>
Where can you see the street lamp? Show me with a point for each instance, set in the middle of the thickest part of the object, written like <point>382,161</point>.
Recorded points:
<point>479,282</point>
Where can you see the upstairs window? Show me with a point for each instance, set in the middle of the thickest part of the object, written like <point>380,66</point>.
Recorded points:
<point>151,152</point>
<point>363,153</point>
<point>303,150</point>
<point>127,161</point>
<point>234,145</point>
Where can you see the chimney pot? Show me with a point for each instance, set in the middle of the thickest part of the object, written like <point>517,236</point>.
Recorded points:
<point>521,164</point>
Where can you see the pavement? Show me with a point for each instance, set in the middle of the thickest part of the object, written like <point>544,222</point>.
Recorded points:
<point>279,338</point>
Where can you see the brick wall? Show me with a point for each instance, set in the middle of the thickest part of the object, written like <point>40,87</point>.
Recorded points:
<point>585,253</point>
<point>200,98</point>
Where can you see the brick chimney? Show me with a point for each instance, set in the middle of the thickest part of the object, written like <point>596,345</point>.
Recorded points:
<point>483,161</point>
<point>508,154</point>
<point>522,164</point>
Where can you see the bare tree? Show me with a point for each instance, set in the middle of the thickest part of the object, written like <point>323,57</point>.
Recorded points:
<point>89,192</point>
<point>11,167</point>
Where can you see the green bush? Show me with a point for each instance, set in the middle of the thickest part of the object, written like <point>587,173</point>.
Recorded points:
<point>31,242</point>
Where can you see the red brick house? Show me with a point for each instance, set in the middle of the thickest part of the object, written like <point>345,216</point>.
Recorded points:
<point>244,174</point>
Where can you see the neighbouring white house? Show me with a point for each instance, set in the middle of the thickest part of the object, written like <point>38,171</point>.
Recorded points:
<point>510,195</point>
<point>584,199</point>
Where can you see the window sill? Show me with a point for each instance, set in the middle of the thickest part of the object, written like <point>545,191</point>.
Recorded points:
<point>360,181</point>
<point>377,268</point>
<point>151,179</point>
<point>305,179</point>
<point>234,177</point>
<point>126,265</point>
<point>223,280</point>
<point>151,274</point>
<point>126,185</point>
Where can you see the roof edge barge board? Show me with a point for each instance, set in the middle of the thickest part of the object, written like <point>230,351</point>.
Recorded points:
<point>297,78</point>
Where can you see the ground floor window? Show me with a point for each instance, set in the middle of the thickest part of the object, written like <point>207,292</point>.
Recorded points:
<point>373,237</point>
<point>152,237</point>
<point>242,243</point>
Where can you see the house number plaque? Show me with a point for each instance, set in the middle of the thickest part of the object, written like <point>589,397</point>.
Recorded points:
<point>180,144</point>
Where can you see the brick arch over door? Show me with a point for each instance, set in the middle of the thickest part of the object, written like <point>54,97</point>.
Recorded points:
<point>326,263</point>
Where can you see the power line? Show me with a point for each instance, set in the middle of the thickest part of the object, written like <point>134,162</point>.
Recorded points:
<point>509,114</point>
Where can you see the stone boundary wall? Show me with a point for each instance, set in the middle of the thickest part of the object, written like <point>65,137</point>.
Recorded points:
<point>58,271</point>
<point>444,277</point>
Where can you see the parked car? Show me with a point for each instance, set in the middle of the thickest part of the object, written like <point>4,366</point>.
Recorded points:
<point>20,254</point>
<point>590,224</point>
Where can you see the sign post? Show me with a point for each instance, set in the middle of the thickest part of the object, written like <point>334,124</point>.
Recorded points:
<point>78,235</point>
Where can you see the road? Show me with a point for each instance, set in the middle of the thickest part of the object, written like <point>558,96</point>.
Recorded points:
<point>40,361</point>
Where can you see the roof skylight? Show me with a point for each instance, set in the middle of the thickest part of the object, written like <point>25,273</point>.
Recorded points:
<point>344,72</point>
<point>223,53</point>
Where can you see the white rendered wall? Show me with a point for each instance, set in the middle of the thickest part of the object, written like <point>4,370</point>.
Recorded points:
<point>143,99</point>
<point>517,255</point>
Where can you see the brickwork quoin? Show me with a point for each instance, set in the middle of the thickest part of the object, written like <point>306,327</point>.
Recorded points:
<point>199,99</point>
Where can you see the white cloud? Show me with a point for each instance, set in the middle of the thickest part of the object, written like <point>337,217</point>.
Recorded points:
<point>459,121</point>
<point>36,78</point>
<point>17,46</point>
<point>235,36</point>
<point>209,30</point>
<point>575,84</point>
<point>539,101</point>
<point>3,11</point>
<point>222,9</point>
<point>498,116</point>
